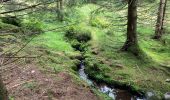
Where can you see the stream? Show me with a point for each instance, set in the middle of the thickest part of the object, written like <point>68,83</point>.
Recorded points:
<point>110,90</point>
<point>115,94</point>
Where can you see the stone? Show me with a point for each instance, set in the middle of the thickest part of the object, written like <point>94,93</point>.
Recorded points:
<point>119,66</point>
<point>33,71</point>
<point>167,80</point>
<point>151,96</point>
<point>167,96</point>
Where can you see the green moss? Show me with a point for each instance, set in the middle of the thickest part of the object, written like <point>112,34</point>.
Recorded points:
<point>99,21</point>
<point>30,85</point>
<point>77,34</point>
<point>4,26</point>
<point>32,26</point>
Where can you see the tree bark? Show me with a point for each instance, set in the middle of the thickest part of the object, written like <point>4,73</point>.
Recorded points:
<point>61,18</point>
<point>131,43</point>
<point>164,12</point>
<point>160,19</point>
<point>58,9</point>
<point>3,91</point>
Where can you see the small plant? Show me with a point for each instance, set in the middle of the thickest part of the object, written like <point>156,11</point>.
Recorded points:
<point>11,98</point>
<point>30,85</point>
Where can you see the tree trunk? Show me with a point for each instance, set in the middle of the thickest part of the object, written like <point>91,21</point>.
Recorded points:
<point>58,9</point>
<point>164,12</point>
<point>61,10</point>
<point>3,91</point>
<point>131,43</point>
<point>160,19</point>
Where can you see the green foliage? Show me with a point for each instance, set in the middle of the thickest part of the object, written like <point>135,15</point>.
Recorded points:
<point>30,85</point>
<point>80,35</point>
<point>11,98</point>
<point>96,70</point>
<point>100,22</point>
<point>52,40</point>
<point>32,25</point>
<point>80,46</point>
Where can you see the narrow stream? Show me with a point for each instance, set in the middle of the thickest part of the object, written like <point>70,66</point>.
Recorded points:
<point>115,94</point>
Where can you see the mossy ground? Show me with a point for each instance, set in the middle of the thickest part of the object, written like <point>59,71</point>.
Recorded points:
<point>104,60</point>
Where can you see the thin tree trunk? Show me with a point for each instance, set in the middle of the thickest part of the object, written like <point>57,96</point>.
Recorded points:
<point>131,43</point>
<point>61,10</point>
<point>160,19</point>
<point>164,12</point>
<point>58,9</point>
<point>3,91</point>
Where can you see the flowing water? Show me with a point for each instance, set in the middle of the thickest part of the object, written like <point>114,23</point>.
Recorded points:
<point>115,94</point>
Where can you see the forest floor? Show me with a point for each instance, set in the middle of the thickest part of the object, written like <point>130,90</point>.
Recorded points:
<point>47,73</point>
<point>52,72</point>
<point>27,81</point>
